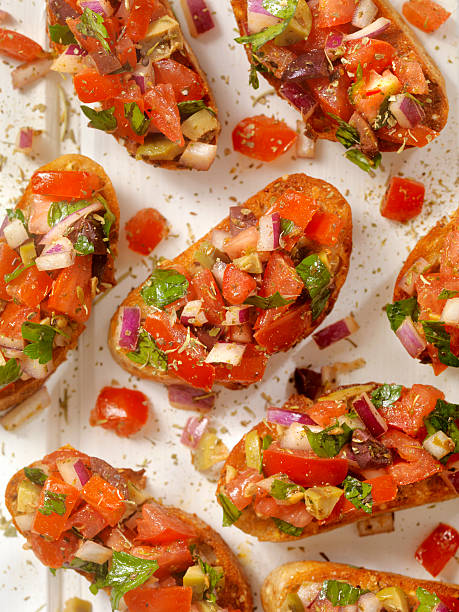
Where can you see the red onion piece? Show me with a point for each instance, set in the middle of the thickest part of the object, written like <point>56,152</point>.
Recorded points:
<point>407,283</point>
<point>82,472</point>
<point>336,331</point>
<point>34,369</point>
<point>130,327</point>
<point>410,338</point>
<point>187,398</point>
<point>193,314</point>
<point>258,18</point>
<point>364,14</point>
<point>26,74</point>
<point>308,65</point>
<point>226,352</point>
<point>287,417</point>
<point>24,142</point>
<point>301,99</point>
<point>240,219</point>
<point>59,254</point>
<point>103,7</point>
<point>334,46</point>
<point>58,230</point>
<point>270,230</point>
<point>235,315</point>
<point>15,233</point>
<point>198,16</point>
<point>194,430</point>
<point>370,416</point>
<point>371,31</point>
<point>70,63</point>
<point>218,270</point>
<point>368,602</point>
<point>11,343</point>
<point>144,76</point>
<point>441,607</point>
<point>75,50</point>
<point>407,111</point>
<point>62,11</point>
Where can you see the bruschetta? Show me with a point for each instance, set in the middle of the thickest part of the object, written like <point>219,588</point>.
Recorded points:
<point>131,58</point>
<point>315,465</point>
<point>257,284</point>
<point>354,70</point>
<point>424,313</point>
<point>315,585</point>
<point>57,250</point>
<point>78,512</point>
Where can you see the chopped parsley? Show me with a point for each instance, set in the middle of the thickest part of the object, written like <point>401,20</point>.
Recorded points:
<point>148,353</point>
<point>53,503</point>
<point>327,444</point>
<point>340,593</point>
<point>346,134</point>
<point>266,442</point>
<point>215,576</point>
<point>444,418</point>
<point>35,475</point>
<point>398,311</point>
<point>60,210</point>
<point>230,512</point>
<point>316,278</point>
<point>17,272</point>
<point>266,303</point>
<point>16,213</point>
<point>104,120</point>
<point>164,287</point>
<point>40,338</point>
<point>190,107</point>
<point>10,372</point>
<point>92,25</point>
<point>363,161</point>
<point>358,493</point>
<point>287,226</point>
<point>61,34</point>
<point>386,395</point>
<point>281,489</point>
<point>288,528</point>
<point>284,9</point>
<point>139,123</point>
<point>83,245</point>
<point>446,294</point>
<point>427,601</point>
<point>437,335</point>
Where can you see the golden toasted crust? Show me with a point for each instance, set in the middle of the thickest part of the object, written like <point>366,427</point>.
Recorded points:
<point>22,389</point>
<point>431,490</point>
<point>236,592</point>
<point>402,37</point>
<point>329,198</point>
<point>289,577</point>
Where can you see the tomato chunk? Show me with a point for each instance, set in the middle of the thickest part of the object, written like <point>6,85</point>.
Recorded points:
<point>207,290</point>
<point>171,558</point>
<point>145,230</point>
<point>333,97</point>
<point>304,468</point>
<point>57,500</point>
<point>19,47</point>
<point>325,413</point>
<point>295,514</point>
<point>30,287</point>
<point>383,490</point>
<point>144,599</point>
<point>428,293</point>
<point>54,553</point>
<point>130,94</point>
<point>438,548</point>
<point>403,200</point>
<point>263,138</point>
<point>125,411</point>
<point>158,526</point>
<point>449,260</point>
<point>281,276</point>
<point>284,332</point>
<point>325,228</point>
<point>71,292</point>
<point>88,521</point>
<point>90,86</point>
<point>370,54</point>
<point>105,498</point>
<point>162,109</point>
<point>12,319</point>
<point>408,412</point>
<point>411,75</point>
<point>9,261</point>
<point>335,12</point>
<point>250,370</point>
<point>138,20</point>
<point>295,206</point>
<point>66,184</point>
<point>185,82</point>
<point>418,464</point>
<point>237,285</point>
<point>235,488</point>
<point>370,93</point>
<point>426,15</point>
<point>420,136</point>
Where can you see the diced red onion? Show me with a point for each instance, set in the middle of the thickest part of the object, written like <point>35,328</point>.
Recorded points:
<point>70,63</point>
<point>144,76</point>
<point>242,334</point>
<point>371,31</point>
<point>103,7</point>
<point>24,142</point>
<point>130,326</point>
<point>370,416</point>
<point>106,63</point>
<point>75,50</point>
<point>194,430</point>
<point>218,270</point>
<point>295,437</point>
<point>407,283</point>
<point>258,18</point>
<point>439,445</point>
<point>226,352</point>
<point>301,99</point>
<point>82,472</point>
<point>441,607</point>
<point>240,219</point>
<point>235,315</point>
<point>364,14</point>
<point>334,46</point>
<point>454,478</point>
<point>74,475</point>
<point>193,314</point>
<point>11,343</point>
<point>368,602</point>
<point>308,593</point>
<point>219,237</point>
<point>450,313</point>
<point>406,111</point>
<point>189,398</point>
<point>11,353</point>
<point>57,255</point>
<point>34,369</point>
<point>242,243</point>
<point>410,338</point>
<point>15,233</point>
<point>26,410</point>
<point>58,230</point>
<point>308,65</point>
<point>269,227</point>
<point>5,16</point>
<point>199,155</point>
<point>198,16</point>
<point>336,331</point>
<point>287,417</point>
<point>25,521</point>
<point>305,146</point>
<point>28,73</point>
<point>93,552</point>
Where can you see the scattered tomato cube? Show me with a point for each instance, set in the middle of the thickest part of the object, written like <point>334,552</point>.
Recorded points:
<point>426,15</point>
<point>145,230</point>
<point>438,548</point>
<point>263,138</point>
<point>125,411</point>
<point>19,47</point>
<point>403,200</point>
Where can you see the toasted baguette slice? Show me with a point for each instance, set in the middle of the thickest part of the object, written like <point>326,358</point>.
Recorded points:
<point>289,577</point>
<point>20,390</point>
<point>330,200</point>
<point>434,489</point>
<point>59,11</point>
<point>402,37</point>
<point>234,593</point>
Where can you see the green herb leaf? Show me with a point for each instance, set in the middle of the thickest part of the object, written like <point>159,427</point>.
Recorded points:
<point>383,115</point>
<point>35,475</point>
<point>104,120</point>
<point>215,577</point>
<point>281,489</point>
<point>53,503</point>
<point>446,294</point>
<point>327,444</point>
<point>109,217</point>
<point>190,107</point>
<point>444,418</point>
<point>164,287</point>
<point>59,210</point>
<point>284,9</point>
<point>253,76</point>
<point>148,353</point>
<point>398,311</point>
<point>358,493</point>
<point>83,245</point>
<point>287,226</point>
<point>288,528</point>
<point>92,25</point>
<point>340,593</point>
<point>436,334</point>
<point>41,339</point>
<point>316,278</point>
<point>9,372</point>
<point>346,134</point>
<point>230,512</point>
<point>265,303</point>
<point>61,34</point>
<point>100,571</point>
<point>386,395</point>
<point>363,161</point>
<point>16,213</point>
<point>427,600</point>
<point>266,442</point>
<point>137,119</point>
<point>17,271</point>
<point>353,89</point>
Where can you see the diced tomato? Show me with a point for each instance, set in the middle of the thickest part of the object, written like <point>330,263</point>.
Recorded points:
<point>426,15</point>
<point>411,75</point>
<point>237,285</point>
<point>276,57</point>
<point>88,522</point>
<point>335,12</point>
<point>418,464</point>
<point>13,317</point>
<point>57,500</point>
<point>71,294</point>
<point>30,287</point>
<point>125,411</point>
<point>126,52</point>
<point>304,467</point>
<point>420,136</point>
<point>39,208</point>
<point>162,109</point>
<point>250,370</point>
<point>369,53</point>
<point>438,548</point>
<point>236,487</point>
<point>145,230</point>
<point>243,242</point>
<point>105,498</point>
<point>9,261</point>
<point>139,18</point>
<point>65,452</point>
<point>428,290</point>
<point>66,184</point>
<point>281,276</point>
<point>207,290</point>
<point>449,259</point>
<point>295,206</point>
<point>89,43</point>
<point>18,46</point>
<point>263,138</point>
<point>408,412</point>
<point>130,94</point>
<point>295,514</point>
<point>117,538</point>
<point>171,558</point>
<point>54,553</point>
<point>284,332</point>
<point>325,228</point>
<point>437,366</point>
<point>144,599</point>
<point>90,86</point>
<point>403,200</point>
<point>185,82</point>
<point>158,526</point>
<point>327,412</point>
<point>333,97</point>
<point>383,490</point>
<point>370,93</point>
